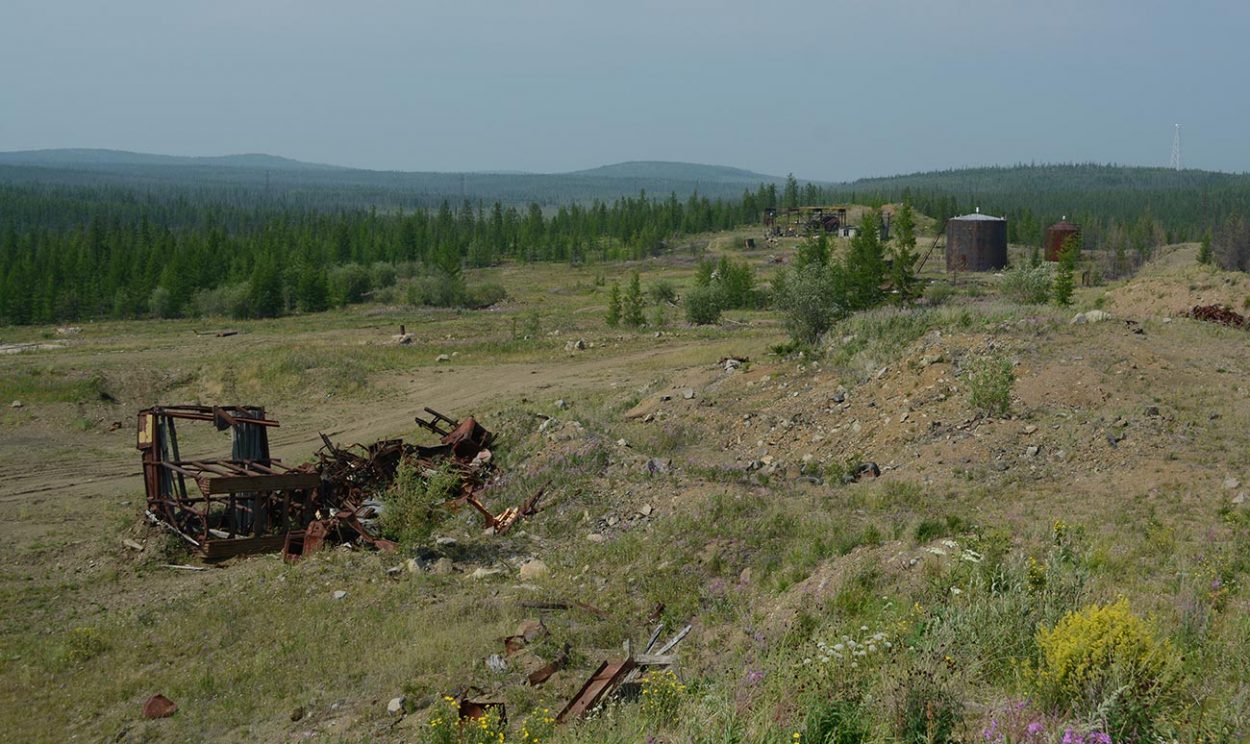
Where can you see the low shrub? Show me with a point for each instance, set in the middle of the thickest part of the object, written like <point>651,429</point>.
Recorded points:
<point>703,305</point>
<point>989,382</point>
<point>1107,662</point>
<point>414,504</point>
<point>1027,285</point>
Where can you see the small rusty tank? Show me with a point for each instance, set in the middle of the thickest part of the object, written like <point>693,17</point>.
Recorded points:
<point>976,242</point>
<point>1056,234</point>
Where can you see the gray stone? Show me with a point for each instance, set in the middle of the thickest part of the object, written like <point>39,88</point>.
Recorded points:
<point>1230,483</point>
<point>657,466</point>
<point>442,358</point>
<point>442,567</point>
<point>562,404</point>
<point>1032,450</point>
<point>645,510</point>
<point>534,569</point>
<point>339,594</point>
<point>445,542</point>
<point>485,573</point>
<point>396,706</point>
<point>688,393</point>
<point>595,537</point>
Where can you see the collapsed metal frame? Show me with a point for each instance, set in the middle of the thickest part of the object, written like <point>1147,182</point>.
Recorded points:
<point>241,505</point>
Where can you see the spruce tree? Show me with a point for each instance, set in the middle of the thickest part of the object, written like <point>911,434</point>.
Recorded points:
<point>613,317</point>
<point>633,303</point>
<point>1064,284</point>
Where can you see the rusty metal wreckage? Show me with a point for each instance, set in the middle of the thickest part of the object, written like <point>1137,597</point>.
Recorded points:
<point>252,503</point>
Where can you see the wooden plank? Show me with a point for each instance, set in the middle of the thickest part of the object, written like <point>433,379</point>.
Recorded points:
<point>675,640</point>
<point>655,636</point>
<point>597,687</point>
<point>247,483</point>
<point>655,659</point>
<point>214,550</point>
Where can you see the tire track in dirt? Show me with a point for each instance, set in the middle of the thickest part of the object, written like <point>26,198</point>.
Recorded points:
<point>455,390</point>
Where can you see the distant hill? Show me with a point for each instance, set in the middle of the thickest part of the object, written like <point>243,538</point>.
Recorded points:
<point>675,171</point>
<point>1075,178</point>
<point>325,186</point>
<point>95,158</point>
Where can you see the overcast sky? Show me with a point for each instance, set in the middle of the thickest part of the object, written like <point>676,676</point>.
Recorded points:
<point>826,89</point>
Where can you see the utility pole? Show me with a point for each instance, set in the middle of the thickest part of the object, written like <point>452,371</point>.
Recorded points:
<point>1175,163</point>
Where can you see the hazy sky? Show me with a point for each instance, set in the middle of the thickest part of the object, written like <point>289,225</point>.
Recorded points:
<point>831,89</point>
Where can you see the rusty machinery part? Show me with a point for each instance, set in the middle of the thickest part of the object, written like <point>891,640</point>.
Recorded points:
<point>244,504</point>
<point>252,503</point>
<point>1218,314</point>
<point>466,438</point>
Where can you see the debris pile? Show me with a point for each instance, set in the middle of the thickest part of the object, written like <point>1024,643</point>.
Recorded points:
<point>1218,314</point>
<point>252,503</point>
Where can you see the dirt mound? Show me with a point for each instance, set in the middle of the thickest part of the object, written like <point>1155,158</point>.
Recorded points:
<point>1174,283</point>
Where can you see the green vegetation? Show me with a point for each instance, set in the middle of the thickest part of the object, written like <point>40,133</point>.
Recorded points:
<point>1028,285</point>
<point>989,383</point>
<point>1069,253</point>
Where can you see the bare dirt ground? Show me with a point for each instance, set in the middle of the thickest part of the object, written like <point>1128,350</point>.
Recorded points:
<point>1134,432</point>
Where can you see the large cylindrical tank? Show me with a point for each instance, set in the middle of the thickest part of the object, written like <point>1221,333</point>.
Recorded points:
<point>976,242</point>
<point>1056,234</point>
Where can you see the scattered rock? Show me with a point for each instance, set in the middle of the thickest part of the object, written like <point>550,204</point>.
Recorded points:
<point>403,339</point>
<point>578,345</point>
<point>1030,429</point>
<point>159,706</point>
<point>839,397</point>
<point>132,544</point>
<point>562,404</point>
<point>688,393</point>
<point>1230,483</point>
<point>657,466</point>
<point>1152,410</point>
<point>339,594</point>
<point>645,510</point>
<point>442,358</point>
<point>534,569</point>
<point>1240,498</point>
<point>442,567</point>
<point>665,398</point>
<point>1092,316</point>
<point>496,664</point>
<point>412,565</point>
<point>1032,450</point>
<point>396,706</point>
<point>485,573</point>
<point>16,404</point>
<point>445,542</point>
<point>732,364</point>
<point>595,537</point>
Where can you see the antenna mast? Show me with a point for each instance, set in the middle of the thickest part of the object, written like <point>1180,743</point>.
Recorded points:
<point>1175,163</point>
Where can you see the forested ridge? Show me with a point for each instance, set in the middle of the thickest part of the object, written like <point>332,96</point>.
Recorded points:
<point>72,252</point>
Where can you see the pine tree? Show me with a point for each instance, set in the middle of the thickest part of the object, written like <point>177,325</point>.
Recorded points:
<point>613,317</point>
<point>633,303</point>
<point>790,196</point>
<point>865,265</point>
<point>313,291</point>
<point>1064,284</point>
<point>1204,250</point>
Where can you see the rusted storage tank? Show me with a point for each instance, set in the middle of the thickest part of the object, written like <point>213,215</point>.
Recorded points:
<point>976,242</point>
<point>1056,234</point>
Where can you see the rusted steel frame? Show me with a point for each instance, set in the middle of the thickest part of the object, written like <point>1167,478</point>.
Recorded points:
<point>198,415</point>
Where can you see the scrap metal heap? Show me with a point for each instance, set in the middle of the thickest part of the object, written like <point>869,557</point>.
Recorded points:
<point>252,503</point>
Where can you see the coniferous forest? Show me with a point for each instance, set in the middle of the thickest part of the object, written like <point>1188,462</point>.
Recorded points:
<point>129,250</point>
